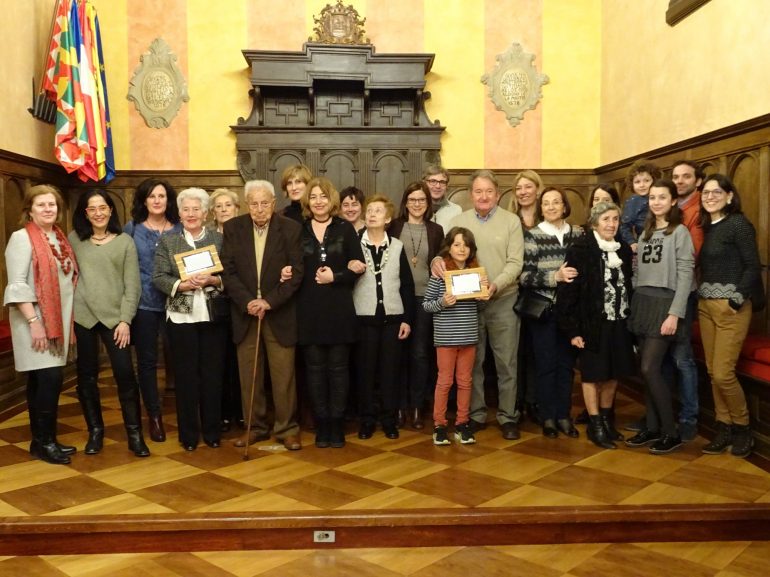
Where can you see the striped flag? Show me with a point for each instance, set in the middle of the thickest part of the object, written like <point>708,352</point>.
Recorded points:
<point>83,137</point>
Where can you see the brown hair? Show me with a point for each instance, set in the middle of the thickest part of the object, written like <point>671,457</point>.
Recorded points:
<point>327,188</point>
<point>539,209</point>
<point>32,193</point>
<point>403,213</point>
<point>674,214</point>
<point>640,166</point>
<point>295,171</point>
<point>468,239</point>
<point>390,208</point>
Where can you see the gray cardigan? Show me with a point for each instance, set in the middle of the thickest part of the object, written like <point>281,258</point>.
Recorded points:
<point>109,288</point>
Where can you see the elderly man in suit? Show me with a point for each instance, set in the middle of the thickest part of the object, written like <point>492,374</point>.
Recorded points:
<point>256,247</point>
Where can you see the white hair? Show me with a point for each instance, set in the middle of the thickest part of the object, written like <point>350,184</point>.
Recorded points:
<point>193,193</point>
<point>253,186</point>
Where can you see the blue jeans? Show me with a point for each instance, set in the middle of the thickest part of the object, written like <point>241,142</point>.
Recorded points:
<point>684,359</point>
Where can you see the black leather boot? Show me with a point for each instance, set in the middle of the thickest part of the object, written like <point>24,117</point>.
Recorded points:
<point>597,434</point>
<point>129,406</point>
<point>47,449</point>
<point>322,433</point>
<point>337,433</point>
<point>608,419</point>
<point>92,412</point>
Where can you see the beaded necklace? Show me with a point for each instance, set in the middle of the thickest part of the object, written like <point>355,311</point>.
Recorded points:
<point>376,271</point>
<point>65,256</point>
<point>410,228</point>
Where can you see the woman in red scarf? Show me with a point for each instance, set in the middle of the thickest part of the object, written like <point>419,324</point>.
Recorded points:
<point>42,274</point>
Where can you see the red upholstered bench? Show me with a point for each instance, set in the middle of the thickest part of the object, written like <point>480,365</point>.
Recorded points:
<point>754,361</point>
<point>5,336</point>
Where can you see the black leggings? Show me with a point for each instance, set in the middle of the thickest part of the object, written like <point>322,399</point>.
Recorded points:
<point>660,409</point>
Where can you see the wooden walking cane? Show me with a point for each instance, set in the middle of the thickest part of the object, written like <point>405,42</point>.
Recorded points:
<point>251,396</point>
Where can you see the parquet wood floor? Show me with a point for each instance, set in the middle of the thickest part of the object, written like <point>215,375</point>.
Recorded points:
<point>714,559</point>
<point>376,474</point>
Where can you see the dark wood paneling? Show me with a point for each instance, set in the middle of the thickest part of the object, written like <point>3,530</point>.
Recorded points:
<point>397,528</point>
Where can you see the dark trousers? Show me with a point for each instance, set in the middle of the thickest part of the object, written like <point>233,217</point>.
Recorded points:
<point>145,328</point>
<point>378,359</point>
<point>419,356</point>
<point>327,378</point>
<point>88,364</point>
<point>554,360</point>
<point>197,350</point>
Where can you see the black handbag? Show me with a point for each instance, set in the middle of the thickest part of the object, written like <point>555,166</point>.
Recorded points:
<point>533,305</point>
<point>218,305</point>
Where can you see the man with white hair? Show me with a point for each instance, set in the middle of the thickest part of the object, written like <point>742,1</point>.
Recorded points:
<point>256,247</point>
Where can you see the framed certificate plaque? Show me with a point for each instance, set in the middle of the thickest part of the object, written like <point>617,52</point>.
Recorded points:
<point>466,283</point>
<point>201,260</point>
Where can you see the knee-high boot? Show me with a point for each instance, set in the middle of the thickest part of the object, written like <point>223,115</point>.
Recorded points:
<point>92,412</point>
<point>129,406</point>
<point>45,430</point>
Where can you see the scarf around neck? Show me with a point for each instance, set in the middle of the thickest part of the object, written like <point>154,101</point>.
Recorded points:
<point>610,247</point>
<point>47,290</point>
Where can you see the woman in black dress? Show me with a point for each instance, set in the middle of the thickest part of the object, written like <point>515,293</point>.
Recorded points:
<point>592,312</point>
<point>327,317</point>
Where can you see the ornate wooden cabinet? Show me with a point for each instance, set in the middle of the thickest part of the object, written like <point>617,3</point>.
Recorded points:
<point>347,113</point>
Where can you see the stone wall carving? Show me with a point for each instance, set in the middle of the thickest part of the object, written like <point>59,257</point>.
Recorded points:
<point>158,87</point>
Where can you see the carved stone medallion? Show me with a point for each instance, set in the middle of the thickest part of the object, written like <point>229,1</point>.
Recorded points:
<point>515,86</point>
<point>158,88</point>
<point>339,24</point>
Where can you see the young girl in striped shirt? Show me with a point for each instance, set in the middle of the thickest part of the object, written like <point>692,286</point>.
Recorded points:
<point>455,335</point>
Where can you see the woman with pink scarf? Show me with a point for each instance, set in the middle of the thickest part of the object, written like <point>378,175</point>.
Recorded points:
<point>42,273</point>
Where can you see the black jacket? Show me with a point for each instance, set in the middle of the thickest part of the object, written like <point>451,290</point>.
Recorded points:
<point>580,304</point>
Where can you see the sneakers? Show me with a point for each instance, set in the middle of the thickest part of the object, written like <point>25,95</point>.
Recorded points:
<point>742,440</point>
<point>721,442</point>
<point>440,436</point>
<point>666,444</point>
<point>463,434</point>
<point>643,438</point>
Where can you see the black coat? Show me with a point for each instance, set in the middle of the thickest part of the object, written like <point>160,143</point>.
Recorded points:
<point>325,311</point>
<point>580,304</point>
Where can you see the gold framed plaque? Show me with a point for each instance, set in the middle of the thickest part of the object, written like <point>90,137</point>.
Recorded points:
<point>201,260</point>
<point>466,283</point>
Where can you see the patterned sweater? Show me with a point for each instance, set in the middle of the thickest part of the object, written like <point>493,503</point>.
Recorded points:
<point>729,261</point>
<point>543,255</point>
<point>455,326</point>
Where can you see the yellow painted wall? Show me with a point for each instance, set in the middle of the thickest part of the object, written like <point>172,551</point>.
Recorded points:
<point>621,80</point>
<point>217,81</point>
<point>454,32</point>
<point>24,38</point>
<point>663,84</point>
<point>572,102</point>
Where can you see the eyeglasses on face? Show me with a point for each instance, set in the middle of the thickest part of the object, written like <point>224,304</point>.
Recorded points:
<point>437,182</point>
<point>98,209</point>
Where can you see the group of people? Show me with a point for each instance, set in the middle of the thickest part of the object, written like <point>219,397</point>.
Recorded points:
<point>358,288</point>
